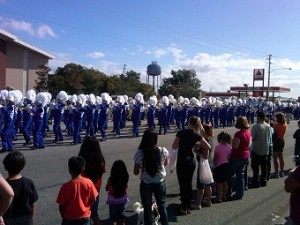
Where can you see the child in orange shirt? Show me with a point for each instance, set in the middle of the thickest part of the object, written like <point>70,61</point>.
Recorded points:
<point>76,196</point>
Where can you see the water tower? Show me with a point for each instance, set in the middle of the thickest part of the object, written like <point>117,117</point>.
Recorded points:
<point>153,70</point>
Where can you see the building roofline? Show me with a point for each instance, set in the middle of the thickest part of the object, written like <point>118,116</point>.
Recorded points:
<point>12,38</point>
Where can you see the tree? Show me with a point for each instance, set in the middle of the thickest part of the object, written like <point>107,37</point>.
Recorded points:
<point>41,83</point>
<point>182,83</point>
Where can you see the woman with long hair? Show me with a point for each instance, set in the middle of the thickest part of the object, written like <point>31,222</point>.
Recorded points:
<point>91,151</point>
<point>280,128</point>
<point>185,141</point>
<point>150,161</point>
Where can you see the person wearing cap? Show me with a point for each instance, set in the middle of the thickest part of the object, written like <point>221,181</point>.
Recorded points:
<point>8,126</point>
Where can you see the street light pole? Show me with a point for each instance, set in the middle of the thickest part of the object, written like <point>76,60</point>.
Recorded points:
<point>269,75</point>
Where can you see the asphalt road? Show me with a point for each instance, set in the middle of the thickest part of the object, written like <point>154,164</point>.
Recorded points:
<point>48,169</point>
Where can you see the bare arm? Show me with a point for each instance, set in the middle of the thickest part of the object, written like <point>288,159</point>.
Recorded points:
<point>175,143</point>
<point>33,209</point>
<point>205,153</point>
<point>235,143</point>
<point>166,162</point>
<point>62,210</point>
<point>136,169</point>
<point>6,195</point>
<point>204,144</point>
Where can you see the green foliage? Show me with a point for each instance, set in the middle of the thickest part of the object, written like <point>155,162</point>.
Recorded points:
<point>182,83</point>
<point>76,79</point>
<point>41,83</point>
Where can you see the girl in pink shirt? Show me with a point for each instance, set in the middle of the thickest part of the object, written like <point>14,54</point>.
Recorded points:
<point>221,163</point>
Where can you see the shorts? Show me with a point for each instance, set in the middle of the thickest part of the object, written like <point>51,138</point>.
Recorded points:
<point>84,221</point>
<point>278,145</point>
<point>221,173</point>
<point>94,208</point>
<point>117,212</point>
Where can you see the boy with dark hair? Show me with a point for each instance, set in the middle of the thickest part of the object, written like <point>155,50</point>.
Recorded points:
<point>76,196</point>
<point>21,210</point>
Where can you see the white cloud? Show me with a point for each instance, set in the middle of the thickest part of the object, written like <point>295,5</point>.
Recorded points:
<point>60,60</point>
<point>95,55</point>
<point>42,31</point>
<point>161,52</point>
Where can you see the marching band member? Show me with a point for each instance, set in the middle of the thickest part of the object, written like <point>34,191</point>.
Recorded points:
<point>230,114</point>
<point>38,115</point>
<point>27,116</point>
<point>125,112</point>
<point>223,113</point>
<point>136,113</point>
<point>183,112</point>
<point>117,112</point>
<point>8,112</point>
<point>97,113</point>
<point>103,117</point>
<point>45,127</point>
<point>163,115</point>
<point>193,110</point>
<point>202,109</point>
<point>215,113</point>
<point>59,106</point>
<point>68,115</point>
<point>170,111</point>
<point>90,115</point>
<point>151,112</point>
<point>177,112</point>
<point>78,114</point>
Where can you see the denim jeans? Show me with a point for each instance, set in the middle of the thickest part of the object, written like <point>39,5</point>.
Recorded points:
<point>237,166</point>
<point>159,191</point>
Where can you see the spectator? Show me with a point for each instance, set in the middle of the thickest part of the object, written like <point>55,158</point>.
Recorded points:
<point>185,141</point>
<point>261,134</point>
<point>22,209</point>
<point>150,161</point>
<point>91,151</point>
<point>296,135</point>
<point>239,158</point>
<point>280,128</point>
<point>6,197</point>
<point>221,163</point>
<point>292,185</point>
<point>76,196</point>
<point>205,153</point>
<point>116,187</point>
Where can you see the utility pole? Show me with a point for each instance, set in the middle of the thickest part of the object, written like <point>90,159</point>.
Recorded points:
<point>269,74</point>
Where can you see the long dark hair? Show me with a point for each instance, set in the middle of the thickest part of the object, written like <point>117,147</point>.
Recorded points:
<point>151,153</point>
<point>119,178</point>
<point>90,150</point>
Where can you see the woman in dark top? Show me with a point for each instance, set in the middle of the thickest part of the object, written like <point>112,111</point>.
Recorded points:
<point>185,141</point>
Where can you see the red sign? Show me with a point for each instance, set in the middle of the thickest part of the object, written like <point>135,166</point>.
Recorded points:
<point>258,74</point>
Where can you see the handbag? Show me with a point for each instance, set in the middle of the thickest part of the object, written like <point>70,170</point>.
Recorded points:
<point>205,174</point>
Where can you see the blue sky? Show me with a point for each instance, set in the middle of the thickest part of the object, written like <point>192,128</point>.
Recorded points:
<point>222,40</point>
